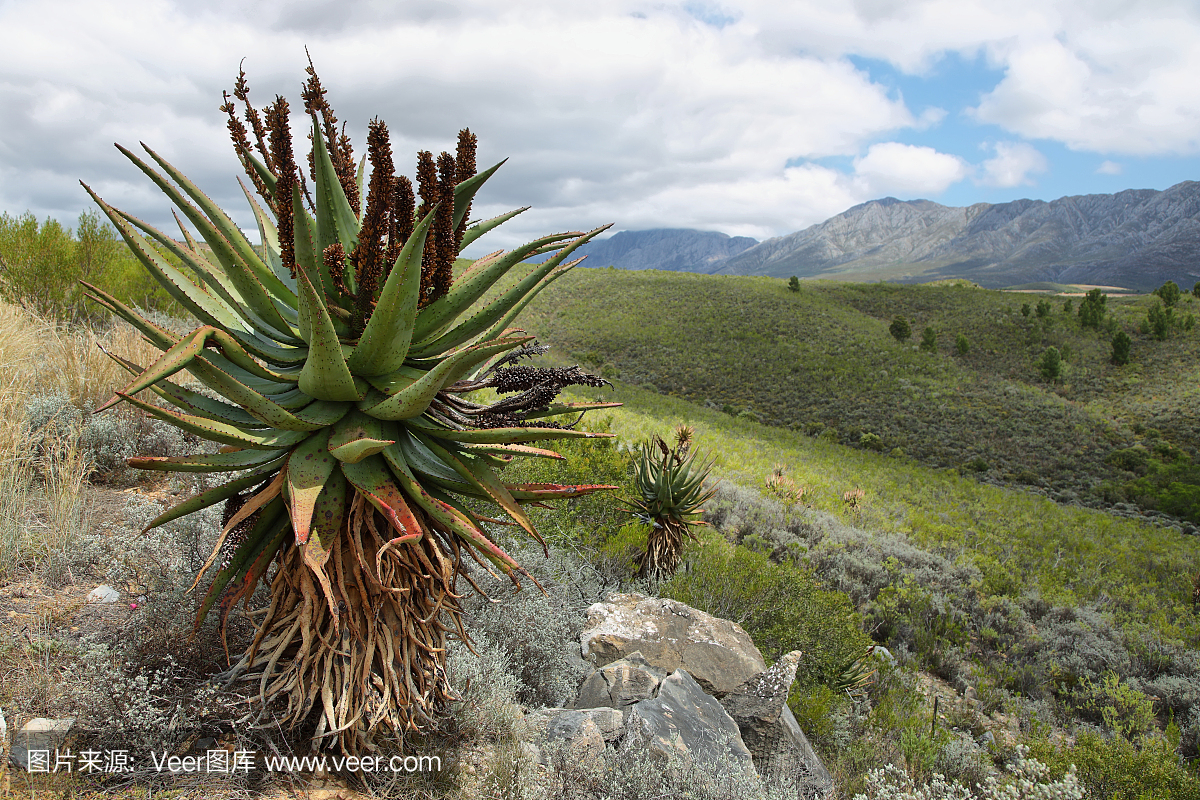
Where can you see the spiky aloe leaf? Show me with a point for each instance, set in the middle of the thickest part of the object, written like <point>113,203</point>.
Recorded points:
<point>212,496</point>
<point>384,343</point>
<point>308,471</point>
<point>325,375</point>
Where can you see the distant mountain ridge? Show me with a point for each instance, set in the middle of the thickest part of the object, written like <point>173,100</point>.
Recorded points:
<point>1138,238</point>
<point>665,248</point>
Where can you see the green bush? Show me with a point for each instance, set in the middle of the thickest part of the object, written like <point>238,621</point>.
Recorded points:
<point>1120,348</point>
<point>41,266</point>
<point>1069,306</point>
<point>900,329</point>
<point>1091,309</point>
<point>929,340</point>
<point>961,345</point>
<point>1132,459</point>
<point>1169,293</point>
<point>781,606</point>
<point>794,283</point>
<point>1050,364</point>
<point>1117,769</point>
<point>1043,308</point>
<point>1025,309</point>
<point>871,441</point>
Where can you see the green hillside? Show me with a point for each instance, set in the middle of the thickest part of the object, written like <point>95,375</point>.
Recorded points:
<point>822,361</point>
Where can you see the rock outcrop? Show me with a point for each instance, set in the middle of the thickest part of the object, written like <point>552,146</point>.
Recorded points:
<point>732,718</point>
<point>717,653</point>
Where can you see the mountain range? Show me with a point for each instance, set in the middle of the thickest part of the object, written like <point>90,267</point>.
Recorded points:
<point>1136,239</point>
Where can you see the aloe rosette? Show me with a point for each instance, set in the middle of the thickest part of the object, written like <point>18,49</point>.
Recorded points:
<point>340,355</point>
<point>670,490</point>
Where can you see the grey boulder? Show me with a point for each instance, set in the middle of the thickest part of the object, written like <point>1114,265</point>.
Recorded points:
<point>780,749</point>
<point>717,653</point>
<point>685,722</point>
<point>39,734</point>
<point>620,684</point>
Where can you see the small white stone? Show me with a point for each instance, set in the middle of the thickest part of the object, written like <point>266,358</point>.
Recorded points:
<point>103,594</point>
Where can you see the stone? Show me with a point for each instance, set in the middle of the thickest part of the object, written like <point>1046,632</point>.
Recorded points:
<point>770,731</point>
<point>103,594</point>
<point>685,722</point>
<point>583,737</point>
<point>620,684</point>
<point>39,734</point>
<point>716,653</point>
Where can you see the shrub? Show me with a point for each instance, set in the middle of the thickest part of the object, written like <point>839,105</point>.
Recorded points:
<point>781,606</point>
<point>1091,309</point>
<point>1114,768</point>
<point>1131,459</point>
<point>1196,289</point>
<point>1069,306</point>
<point>1043,309</point>
<point>961,345</point>
<point>900,329</point>
<point>1169,293</point>
<point>1120,348</point>
<point>1025,309</point>
<point>929,340</point>
<point>871,441</point>
<point>794,283</point>
<point>1159,322</point>
<point>1050,364</point>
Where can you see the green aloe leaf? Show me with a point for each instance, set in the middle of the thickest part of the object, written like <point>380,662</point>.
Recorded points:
<point>230,245</point>
<point>464,192</point>
<point>415,399</point>
<point>480,228</point>
<point>220,432</point>
<point>209,462</point>
<point>308,471</point>
<point>212,496</point>
<point>471,286</point>
<point>325,375</point>
<point>384,343</point>
<point>336,221</point>
<point>358,436</point>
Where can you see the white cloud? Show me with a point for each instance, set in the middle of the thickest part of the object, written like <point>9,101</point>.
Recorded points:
<point>1109,168</point>
<point>894,168</point>
<point>640,112</point>
<point>1013,165</point>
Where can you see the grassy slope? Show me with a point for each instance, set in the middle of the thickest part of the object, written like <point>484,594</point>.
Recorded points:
<point>823,355</point>
<point>1019,541</point>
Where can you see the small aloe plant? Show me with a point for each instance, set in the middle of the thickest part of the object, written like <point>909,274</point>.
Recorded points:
<point>670,487</point>
<point>340,355</point>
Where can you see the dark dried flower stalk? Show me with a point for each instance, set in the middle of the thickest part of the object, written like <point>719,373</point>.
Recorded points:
<point>281,152</point>
<point>443,227</point>
<point>403,209</point>
<point>464,159</point>
<point>427,187</point>
<point>369,254</point>
<point>340,151</point>
<point>334,257</point>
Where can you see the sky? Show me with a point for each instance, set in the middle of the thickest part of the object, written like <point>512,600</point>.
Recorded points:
<point>754,118</point>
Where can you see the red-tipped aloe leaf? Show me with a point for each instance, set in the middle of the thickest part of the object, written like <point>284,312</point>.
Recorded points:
<point>308,471</point>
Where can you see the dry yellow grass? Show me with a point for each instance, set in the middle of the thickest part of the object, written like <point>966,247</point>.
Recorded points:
<point>38,356</point>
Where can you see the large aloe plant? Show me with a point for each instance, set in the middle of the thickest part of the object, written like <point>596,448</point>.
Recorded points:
<point>339,355</point>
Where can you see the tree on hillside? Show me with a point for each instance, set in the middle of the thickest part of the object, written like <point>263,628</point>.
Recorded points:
<point>1069,306</point>
<point>1025,309</point>
<point>900,329</point>
<point>1196,289</point>
<point>1091,309</point>
<point>961,345</point>
<point>794,283</point>
<point>1120,348</point>
<point>1159,322</point>
<point>929,340</point>
<point>1043,308</point>
<point>1169,293</point>
<point>1050,364</point>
